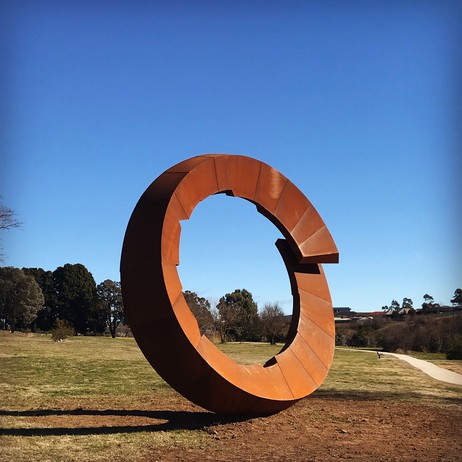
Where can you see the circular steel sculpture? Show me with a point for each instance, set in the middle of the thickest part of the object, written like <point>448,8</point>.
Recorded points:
<point>161,321</point>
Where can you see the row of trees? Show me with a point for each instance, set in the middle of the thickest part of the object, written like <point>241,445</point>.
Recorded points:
<point>32,298</point>
<point>236,317</point>
<point>428,306</point>
<point>35,299</point>
<point>434,334</point>
<point>440,331</point>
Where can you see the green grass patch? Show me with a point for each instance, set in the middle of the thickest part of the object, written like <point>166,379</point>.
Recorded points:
<point>427,356</point>
<point>34,369</point>
<point>250,353</point>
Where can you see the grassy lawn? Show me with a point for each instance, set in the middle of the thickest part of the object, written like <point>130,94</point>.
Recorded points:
<point>250,353</point>
<point>97,398</point>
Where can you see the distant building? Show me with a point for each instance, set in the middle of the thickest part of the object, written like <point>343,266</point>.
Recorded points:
<point>346,314</point>
<point>342,310</point>
<point>342,313</point>
<point>374,314</point>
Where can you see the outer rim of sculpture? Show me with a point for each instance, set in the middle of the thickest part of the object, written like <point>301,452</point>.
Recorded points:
<point>162,323</point>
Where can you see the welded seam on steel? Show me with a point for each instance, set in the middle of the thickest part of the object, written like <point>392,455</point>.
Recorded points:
<point>162,323</point>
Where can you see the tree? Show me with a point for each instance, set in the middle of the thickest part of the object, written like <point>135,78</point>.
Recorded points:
<point>7,220</point>
<point>273,322</point>
<point>457,299</point>
<point>20,298</point>
<point>47,315</point>
<point>407,306</point>
<point>362,338</point>
<point>61,331</point>
<point>226,319</point>
<point>200,307</point>
<point>407,303</point>
<point>395,307</point>
<point>454,350</point>
<point>429,305</point>
<point>428,302</point>
<point>109,295</point>
<point>76,301</point>
<point>239,307</point>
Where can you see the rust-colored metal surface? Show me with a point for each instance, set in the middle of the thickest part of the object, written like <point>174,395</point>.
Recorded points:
<point>161,321</point>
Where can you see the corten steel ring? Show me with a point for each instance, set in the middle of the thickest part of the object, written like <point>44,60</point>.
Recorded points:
<point>164,326</point>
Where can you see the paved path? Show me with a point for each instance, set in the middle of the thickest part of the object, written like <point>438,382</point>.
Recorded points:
<point>427,367</point>
<point>438,373</point>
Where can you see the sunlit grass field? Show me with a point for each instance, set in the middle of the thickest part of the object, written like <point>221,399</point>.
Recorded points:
<point>60,386</point>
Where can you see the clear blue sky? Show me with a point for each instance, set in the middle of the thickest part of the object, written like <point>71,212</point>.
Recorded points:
<point>357,103</point>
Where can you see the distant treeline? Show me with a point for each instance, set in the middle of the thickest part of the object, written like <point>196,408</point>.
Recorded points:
<point>412,332</point>
<point>34,299</point>
<point>38,300</point>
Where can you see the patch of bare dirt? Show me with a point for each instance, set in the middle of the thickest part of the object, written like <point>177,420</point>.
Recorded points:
<point>327,428</point>
<point>331,430</point>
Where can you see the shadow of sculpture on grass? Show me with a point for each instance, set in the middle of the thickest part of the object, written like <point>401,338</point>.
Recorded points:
<point>169,421</point>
